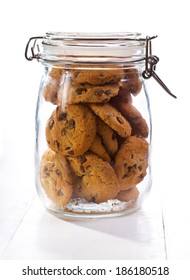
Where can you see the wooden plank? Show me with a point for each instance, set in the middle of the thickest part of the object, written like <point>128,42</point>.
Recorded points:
<point>136,236</point>
<point>171,155</point>
<point>16,184</point>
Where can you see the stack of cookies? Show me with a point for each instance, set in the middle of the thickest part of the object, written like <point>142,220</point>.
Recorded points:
<point>97,147</point>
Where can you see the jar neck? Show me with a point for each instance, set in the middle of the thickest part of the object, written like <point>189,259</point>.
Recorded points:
<point>126,49</point>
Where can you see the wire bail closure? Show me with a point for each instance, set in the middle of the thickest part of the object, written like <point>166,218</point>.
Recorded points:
<point>150,60</point>
<point>34,56</point>
<point>150,66</point>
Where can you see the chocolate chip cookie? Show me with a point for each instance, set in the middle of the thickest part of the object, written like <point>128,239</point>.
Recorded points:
<point>51,85</point>
<point>134,117</point>
<point>131,162</point>
<point>56,72</point>
<point>132,81</point>
<point>50,90</point>
<point>97,75</point>
<point>98,181</point>
<point>130,194</point>
<point>123,96</point>
<point>93,94</point>
<point>136,120</point>
<point>56,178</point>
<point>113,118</point>
<point>70,131</point>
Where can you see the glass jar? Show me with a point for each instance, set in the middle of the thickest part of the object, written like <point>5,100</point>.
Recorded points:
<point>93,124</point>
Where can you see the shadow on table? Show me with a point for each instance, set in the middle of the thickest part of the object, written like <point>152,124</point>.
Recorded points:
<point>135,226</point>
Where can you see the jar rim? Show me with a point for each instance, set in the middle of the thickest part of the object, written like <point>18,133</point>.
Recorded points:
<point>100,39</point>
<point>92,35</point>
<point>100,47</point>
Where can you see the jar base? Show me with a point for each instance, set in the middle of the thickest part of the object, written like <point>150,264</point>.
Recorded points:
<point>80,209</point>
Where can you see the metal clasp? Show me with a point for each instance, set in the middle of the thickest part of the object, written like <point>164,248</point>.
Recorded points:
<point>150,66</point>
<point>32,49</point>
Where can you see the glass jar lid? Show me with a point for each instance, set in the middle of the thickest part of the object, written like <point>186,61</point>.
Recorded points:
<point>123,47</point>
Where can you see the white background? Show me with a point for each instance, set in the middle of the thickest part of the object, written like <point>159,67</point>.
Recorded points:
<point>26,230</point>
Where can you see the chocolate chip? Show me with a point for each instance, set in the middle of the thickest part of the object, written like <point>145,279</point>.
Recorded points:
<point>82,159</point>
<point>125,165</point>
<point>68,148</point>
<point>51,123</point>
<point>127,170</point>
<point>46,171</point>
<point>71,153</point>
<point>141,176</point>
<point>58,172</point>
<point>62,116</point>
<point>114,136</point>
<point>125,175</point>
<point>71,123</point>
<point>82,169</point>
<point>93,199</point>
<point>135,120</point>
<point>132,168</point>
<point>108,92</point>
<point>120,120</point>
<point>56,143</point>
<point>80,90</point>
<point>59,192</point>
<point>99,92</point>
<point>140,167</point>
<point>63,131</point>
